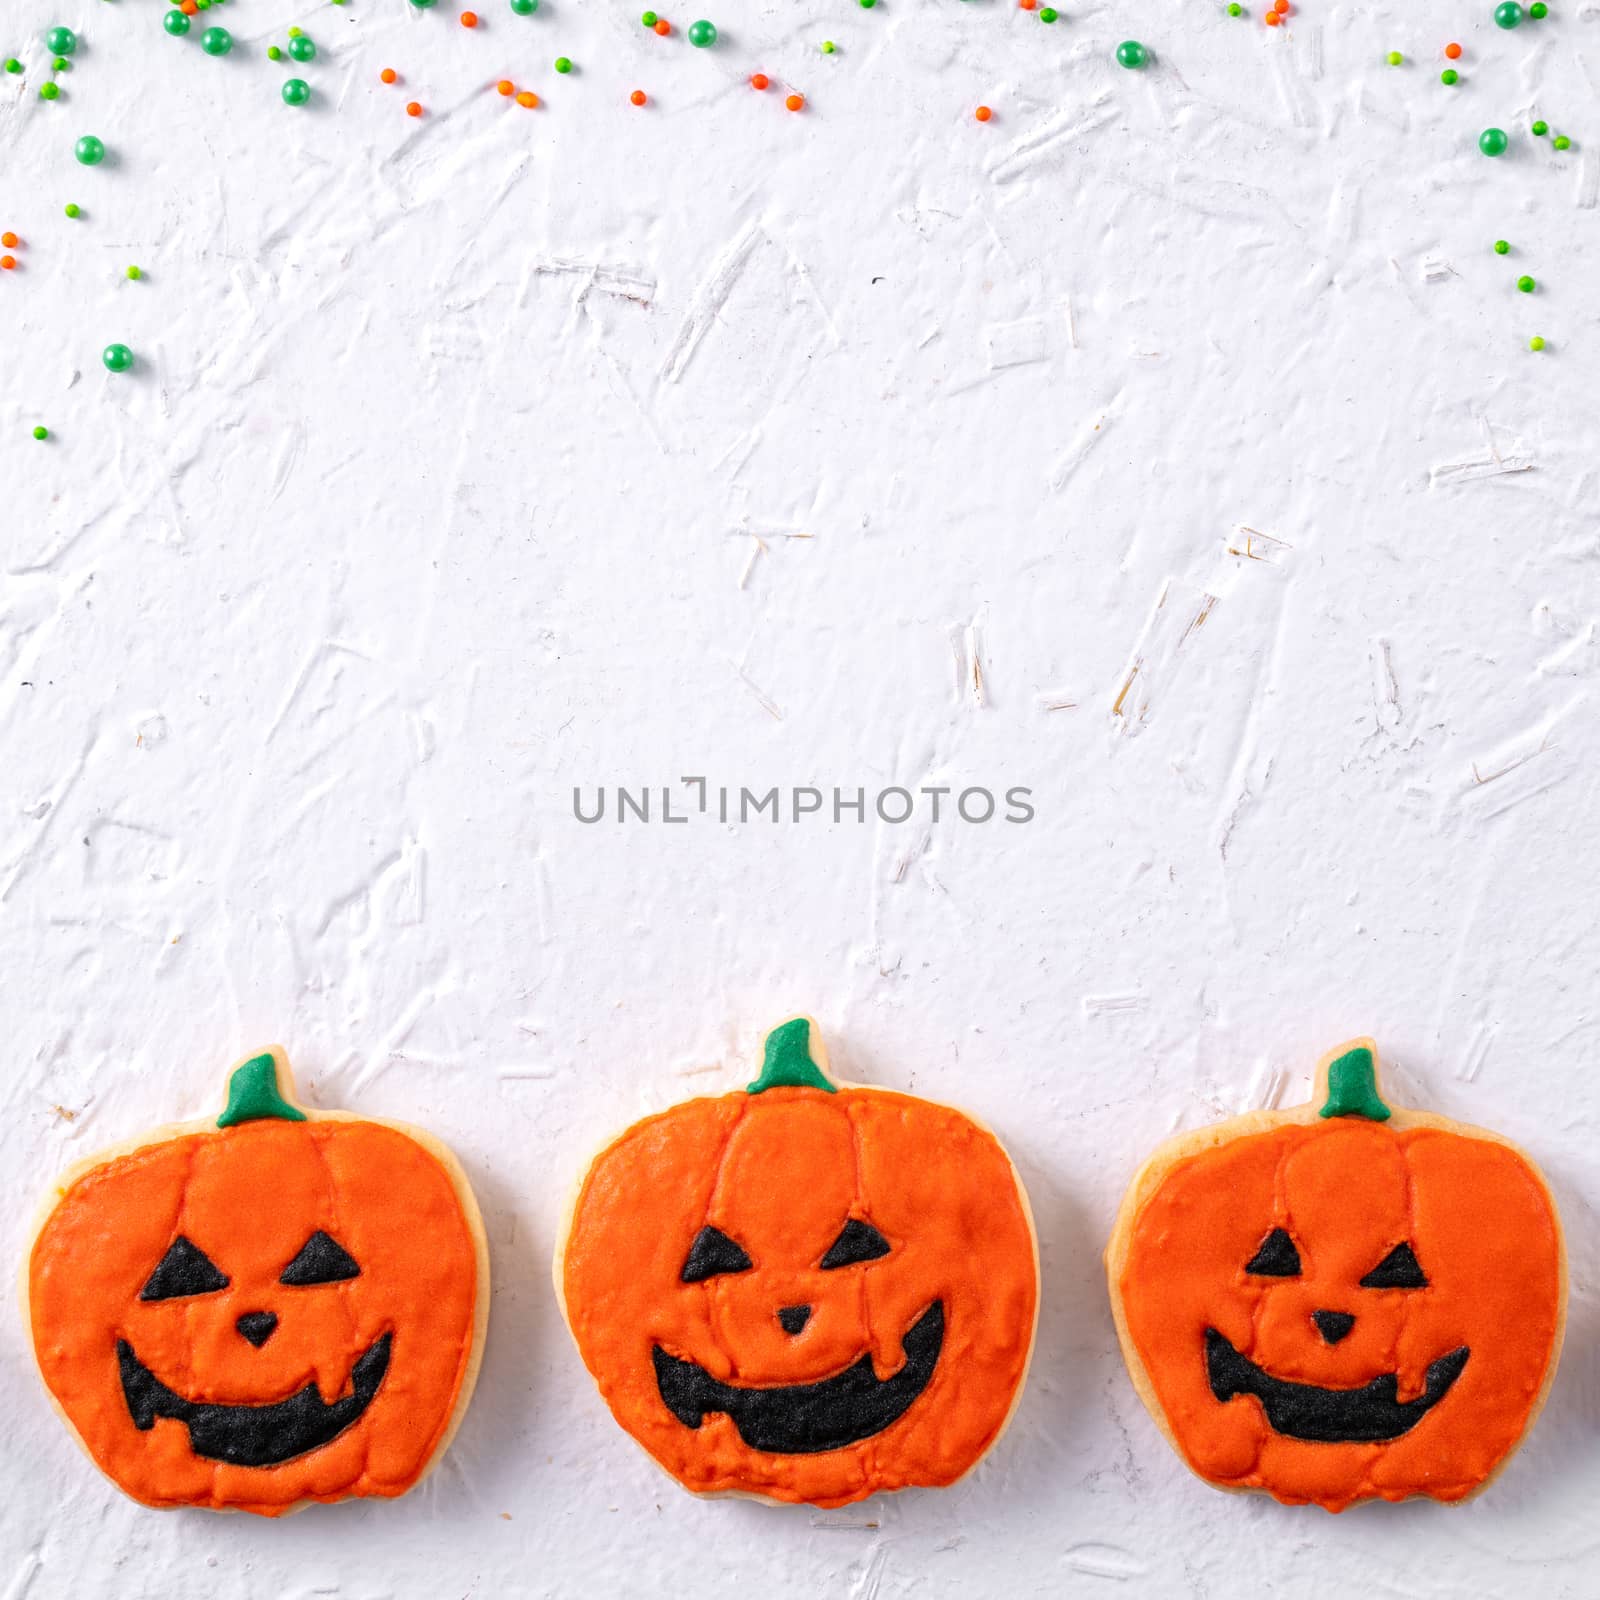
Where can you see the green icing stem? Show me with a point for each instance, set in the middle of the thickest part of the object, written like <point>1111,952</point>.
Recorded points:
<point>1353,1087</point>
<point>253,1095</point>
<point>788,1063</point>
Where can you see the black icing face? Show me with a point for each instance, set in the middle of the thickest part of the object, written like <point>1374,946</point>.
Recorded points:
<point>251,1435</point>
<point>1368,1414</point>
<point>801,1418</point>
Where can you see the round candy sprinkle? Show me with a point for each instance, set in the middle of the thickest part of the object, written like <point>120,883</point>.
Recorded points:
<point>983,113</point>
<point>388,75</point>
<point>294,33</point>
<point>506,87</point>
<point>60,64</point>
<point>524,8</point>
<point>1281,7</point>
<point>72,208</point>
<point>61,41</point>
<point>1561,142</point>
<point>216,41</point>
<point>296,91</point>
<point>1449,75</point>
<point>134,274</point>
<point>422,5</point>
<point>13,65</point>
<point>1493,142</point>
<point>828,47</point>
<point>1525,284</point>
<point>759,80</point>
<point>413,109</point>
<point>1453,51</point>
<point>795,102</point>
<point>42,432</point>
<point>1048,13</point>
<point>702,34</point>
<point>527,99</point>
<point>1539,129</point>
<point>1027,5</point>
<point>563,64</point>
<point>1272,19</point>
<point>1132,54</point>
<point>469,19</point>
<point>1535,343</point>
<point>649,19</point>
<point>48,91</point>
<point>1395,58</point>
<point>1235,9</point>
<point>9,240</point>
<point>1502,247</point>
<point>177,25</point>
<point>1507,14</point>
<point>89,150</point>
<point>663,27</point>
<point>1538,10</point>
<point>637,97</point>
<point>7,263</point>
<point>303,49</point>
<point>867,5</point>
<point>117,357</point>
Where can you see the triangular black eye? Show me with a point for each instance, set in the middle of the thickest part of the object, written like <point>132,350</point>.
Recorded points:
<point>711,1253</point>
<point>184,1269</point>
<point>1277,1257</point>
<point>857,1241</point>
<point>1399,1269</point>
<point>322,1259</point>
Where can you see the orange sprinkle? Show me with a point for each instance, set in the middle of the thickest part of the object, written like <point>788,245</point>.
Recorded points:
<point>1027,5</point>
<point>795,101</point>
<point>8,262</point>
<point>189,8</point>
<point>388,74</point>
<point>1282,8</point>
<point>506,86</point>
<point>638,97</point>
<point>413,109</point>
<point>1273,19</point>
<point>528,98</point>
<point>8,239</point>
<point>1453,51</point>
<point>469,19</point>
<point>663,27</point>
<point>759,80</point>
<point>983,113</point>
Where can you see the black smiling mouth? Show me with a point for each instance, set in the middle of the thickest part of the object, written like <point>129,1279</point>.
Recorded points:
<point>807,1418</point>
<point>1330,1416</point>
<point>254,1436</point>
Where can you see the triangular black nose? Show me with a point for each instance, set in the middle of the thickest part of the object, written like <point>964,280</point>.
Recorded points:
<point>257,1326</point>
<point>794,1318</point>
<point>1333,1325</point>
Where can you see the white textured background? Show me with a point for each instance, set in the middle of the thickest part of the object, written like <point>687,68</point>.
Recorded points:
<point>438,490</point>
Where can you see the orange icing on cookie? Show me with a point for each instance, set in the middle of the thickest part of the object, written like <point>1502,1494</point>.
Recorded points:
<point>1483,1232</point>
<point>780,1174</point>
<point>248,1198</point>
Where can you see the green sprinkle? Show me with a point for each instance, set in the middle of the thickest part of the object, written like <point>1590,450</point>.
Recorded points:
<point>524,8</point>
<point>1493,142</point>
<point>1449,75</point>
<point>273,52</point>
<point>295,33</point>
<point>1561,142</point>
<point>422,5</point>
<point>702,34</point>
<point>1235,9</point>
<point>1535,343</point>
<point>1132,54</point>
<point>1395,58</point>
<point>563,64</point>
<point>13,65</point>
<point>302,48</point>
<point>61,64</point>
<point>61,41</point>
<point>216,41</point>
<point>1502,247</point>
<point>1507,14</point>
<point>48,91</point>
<point>1048,14</point>
<point>1539,129</point>
<point>42,432</point>
<point>649,19</point>
<point>72,209</point>
<point>135,274</point>
<point>867,5</point>
<point>89,150</point>
<point>828,47</point>
<point>296,91</point>
<point>177,24</point>
<point>1538,10</point>
<point>117,357</point>
<point>1525,284</point>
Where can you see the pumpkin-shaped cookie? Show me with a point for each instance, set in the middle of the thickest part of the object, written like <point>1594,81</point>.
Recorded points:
<point>804,1290</point>
<point>278,1306</point>
<point>1341,1302</point>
